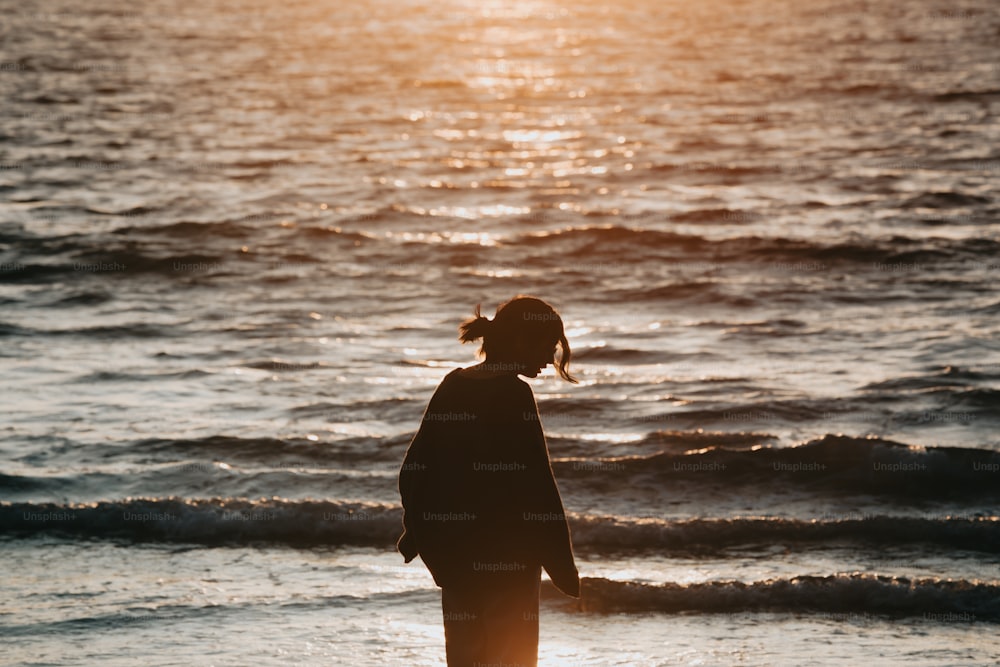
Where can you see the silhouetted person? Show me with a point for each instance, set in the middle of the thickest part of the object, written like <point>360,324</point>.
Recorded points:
<point>481,506</point>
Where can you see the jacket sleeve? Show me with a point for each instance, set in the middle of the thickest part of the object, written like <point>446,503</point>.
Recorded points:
<point>546,508</point>
<point>410,492</point>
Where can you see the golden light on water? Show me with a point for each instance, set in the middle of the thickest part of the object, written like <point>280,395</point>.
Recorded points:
<point>538,138</point>
<point>517,115</point>
<point>472,213</point>
<point>456,238</point>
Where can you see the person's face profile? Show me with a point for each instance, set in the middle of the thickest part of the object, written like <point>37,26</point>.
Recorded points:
<point>535,356</point>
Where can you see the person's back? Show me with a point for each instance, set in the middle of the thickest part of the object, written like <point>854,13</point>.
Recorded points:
<point>481,506</point>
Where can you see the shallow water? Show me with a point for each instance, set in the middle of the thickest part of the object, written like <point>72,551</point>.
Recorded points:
<point>121,604</point>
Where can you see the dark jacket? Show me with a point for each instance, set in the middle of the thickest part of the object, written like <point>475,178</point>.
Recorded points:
<point>477,487</point>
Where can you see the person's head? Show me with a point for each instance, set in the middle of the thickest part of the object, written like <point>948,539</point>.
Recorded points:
<point>525,333</point>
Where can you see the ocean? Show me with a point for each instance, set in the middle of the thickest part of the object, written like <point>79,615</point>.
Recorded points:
<point>237,238</point>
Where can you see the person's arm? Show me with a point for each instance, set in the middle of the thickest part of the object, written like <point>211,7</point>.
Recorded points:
<point>411,475</point>
<point>544,505</point>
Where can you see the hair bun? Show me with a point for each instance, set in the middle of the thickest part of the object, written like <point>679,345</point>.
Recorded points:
<point>475,328</point>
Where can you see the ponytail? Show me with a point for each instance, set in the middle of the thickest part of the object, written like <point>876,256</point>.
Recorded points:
<point>475,328</point>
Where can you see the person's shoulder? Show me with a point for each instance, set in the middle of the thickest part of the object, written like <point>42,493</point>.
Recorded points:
<point>521,384</point>
<point>523,389</point>
<point>477,374</point>
<point>466,380</point>
<point>451,374</point>
<point>444,386</point>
